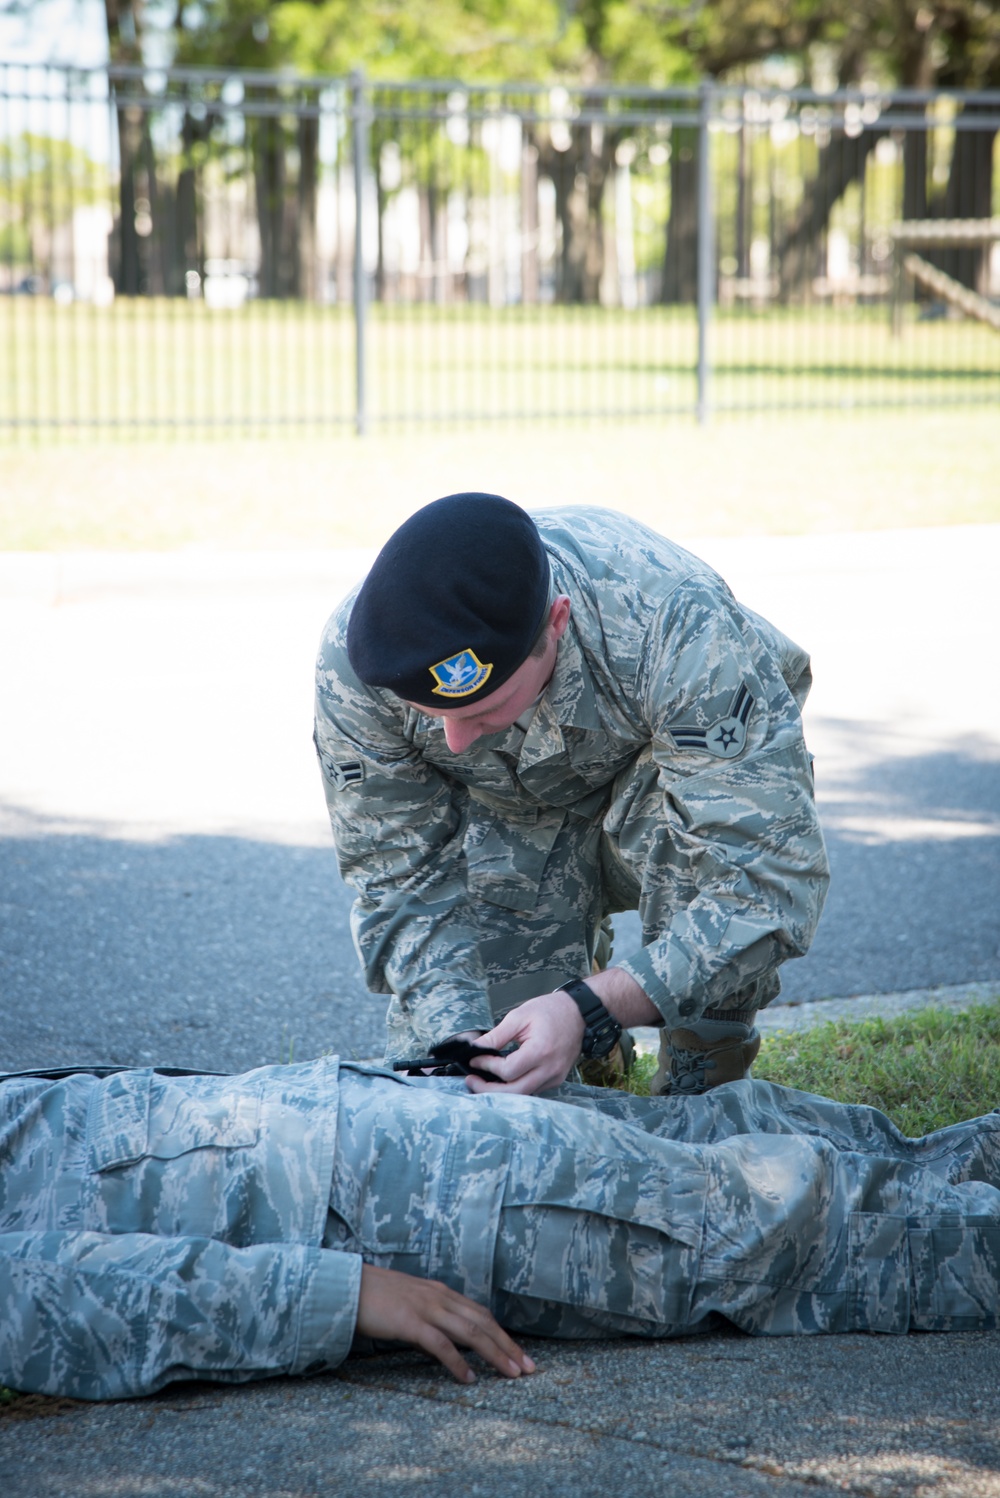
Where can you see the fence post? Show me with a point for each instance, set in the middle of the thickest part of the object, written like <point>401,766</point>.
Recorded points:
<point>706,250</point>
<point>360,133</point>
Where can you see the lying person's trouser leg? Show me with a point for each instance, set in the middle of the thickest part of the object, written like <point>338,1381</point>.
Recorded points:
<point>783,1233</point>
<point>967,1151</point>
<point>603,1227</point>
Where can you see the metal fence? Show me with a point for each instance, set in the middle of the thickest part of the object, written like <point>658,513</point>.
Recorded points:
<point>205,250</point>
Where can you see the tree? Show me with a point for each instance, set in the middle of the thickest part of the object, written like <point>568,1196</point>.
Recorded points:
<point>582,43</point>
<point>45,180</point>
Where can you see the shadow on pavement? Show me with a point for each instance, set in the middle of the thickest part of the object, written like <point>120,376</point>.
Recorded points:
<point>227,952</point>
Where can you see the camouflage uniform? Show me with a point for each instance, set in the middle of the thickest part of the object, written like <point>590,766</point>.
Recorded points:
<point>155,1228</point>
<point>663,770</point>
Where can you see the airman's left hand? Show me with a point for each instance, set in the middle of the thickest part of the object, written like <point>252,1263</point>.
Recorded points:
<point>548,1032</point>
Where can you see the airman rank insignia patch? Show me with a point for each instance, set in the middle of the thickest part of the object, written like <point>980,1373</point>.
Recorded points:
<point>460,675</point>
<point>351,773</point>
<point>725,739</point>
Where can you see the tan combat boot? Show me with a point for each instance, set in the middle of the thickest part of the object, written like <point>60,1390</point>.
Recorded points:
<point>704,1054</point>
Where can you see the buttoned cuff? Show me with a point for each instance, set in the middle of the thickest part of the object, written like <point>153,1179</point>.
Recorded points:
<point>676,1010</point>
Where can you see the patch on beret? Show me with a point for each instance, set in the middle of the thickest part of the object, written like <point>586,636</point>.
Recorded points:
<point>461,674</point>
<point>453,603</point>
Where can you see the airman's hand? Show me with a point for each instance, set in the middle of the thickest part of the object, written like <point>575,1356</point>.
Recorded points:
<point>548,1032</point>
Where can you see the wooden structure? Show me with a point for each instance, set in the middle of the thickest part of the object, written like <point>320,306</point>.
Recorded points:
<point>955,233</point>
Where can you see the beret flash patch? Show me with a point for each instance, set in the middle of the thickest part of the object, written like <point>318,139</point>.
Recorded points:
<point>460,675</point>
<point>725,739</point>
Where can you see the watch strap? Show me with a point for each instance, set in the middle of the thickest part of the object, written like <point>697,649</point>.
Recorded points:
<point>601,1029</point>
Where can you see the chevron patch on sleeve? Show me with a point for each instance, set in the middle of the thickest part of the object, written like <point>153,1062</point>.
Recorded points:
<point>725,739</point>
<point>352,772</point>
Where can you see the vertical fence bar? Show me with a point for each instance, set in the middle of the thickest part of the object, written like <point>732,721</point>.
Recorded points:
<point>360,289</point>
<point>706,252</point>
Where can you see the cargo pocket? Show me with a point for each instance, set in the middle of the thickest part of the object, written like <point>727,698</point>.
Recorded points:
<point>603,1233</point>
<point>879,1273</point>
<point>176,1160</point>
<point>140,1115</point>
<point>933,1274</point>
<point>954,1273</point>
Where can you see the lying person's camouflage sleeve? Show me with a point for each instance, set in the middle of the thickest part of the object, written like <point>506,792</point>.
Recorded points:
<point>156,1228</point>
<point>664,769</point>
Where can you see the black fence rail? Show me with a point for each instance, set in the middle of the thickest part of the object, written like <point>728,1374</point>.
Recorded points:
<point>199,250</point>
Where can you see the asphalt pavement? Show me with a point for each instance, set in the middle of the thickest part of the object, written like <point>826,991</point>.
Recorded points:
<point>168,892</point>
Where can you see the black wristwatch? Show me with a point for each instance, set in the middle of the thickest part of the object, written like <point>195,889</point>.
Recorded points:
<point>602,1031</point>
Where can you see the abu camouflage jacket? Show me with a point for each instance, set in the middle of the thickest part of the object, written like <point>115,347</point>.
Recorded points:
<point>659,660</point>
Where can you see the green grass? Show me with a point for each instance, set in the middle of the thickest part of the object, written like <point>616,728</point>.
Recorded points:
<point>925,1070</point>
<point>136,485</point>
<point>793,474</point>
<point>152,362</point>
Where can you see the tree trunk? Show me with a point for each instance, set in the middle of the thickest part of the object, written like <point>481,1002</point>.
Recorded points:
<point>680,261</point>
<point>579,175</point>
<point>303,234</point>
<point>158,241</point>
<point>915,174</point>
<point>189,254</point>
<point>744,206</point>
<point>268,146</point>
<point>968,194</point>
<point>840,163</point>
<point>123,47</point>
<point>125,253</point>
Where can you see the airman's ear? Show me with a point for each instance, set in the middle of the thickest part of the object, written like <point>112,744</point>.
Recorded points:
<point>559,615</point>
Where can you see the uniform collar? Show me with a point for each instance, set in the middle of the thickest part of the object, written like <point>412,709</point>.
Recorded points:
<point>570,693</point>
<point>569,701</point>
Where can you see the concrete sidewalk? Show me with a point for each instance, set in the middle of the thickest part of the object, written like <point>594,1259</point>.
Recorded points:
<point>717,1417</point>
<point>168,891</point>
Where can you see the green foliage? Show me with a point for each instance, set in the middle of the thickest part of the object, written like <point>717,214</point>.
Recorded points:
<point>925,1070</point>
<point>43,178</point>
<point>656,42</point>
<point>398,39</point>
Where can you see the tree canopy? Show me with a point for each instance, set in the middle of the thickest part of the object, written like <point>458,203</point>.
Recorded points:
<point>911,43</point>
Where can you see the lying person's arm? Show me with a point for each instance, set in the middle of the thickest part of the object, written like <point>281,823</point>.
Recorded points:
<point>94,1316</point>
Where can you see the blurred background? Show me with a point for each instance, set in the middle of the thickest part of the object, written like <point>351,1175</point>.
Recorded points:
<point>272,275</point>
<point>305,216</point>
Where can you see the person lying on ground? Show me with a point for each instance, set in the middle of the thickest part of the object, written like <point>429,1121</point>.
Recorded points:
<point>158,1226</point>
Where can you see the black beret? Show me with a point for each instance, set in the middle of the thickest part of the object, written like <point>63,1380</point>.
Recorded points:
<point>453,603</point>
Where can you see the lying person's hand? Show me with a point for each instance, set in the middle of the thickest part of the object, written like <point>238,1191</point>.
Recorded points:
<point>548,1032</point>
<point>396,1307</point>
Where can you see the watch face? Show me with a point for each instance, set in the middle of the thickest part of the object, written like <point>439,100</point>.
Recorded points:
<point>602,1039</point>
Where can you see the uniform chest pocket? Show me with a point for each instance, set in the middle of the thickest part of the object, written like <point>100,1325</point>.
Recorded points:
<point>140,1115</point>
<point>506,857</point>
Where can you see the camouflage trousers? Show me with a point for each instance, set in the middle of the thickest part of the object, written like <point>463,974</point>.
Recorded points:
<point>544,891</point>
<point>587,1213</point>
